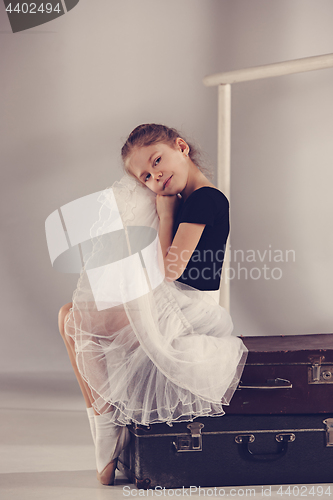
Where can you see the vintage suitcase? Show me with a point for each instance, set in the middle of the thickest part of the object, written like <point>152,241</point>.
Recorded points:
<point>286,375</point>
<point>278,428</point>
<point>233,450</point>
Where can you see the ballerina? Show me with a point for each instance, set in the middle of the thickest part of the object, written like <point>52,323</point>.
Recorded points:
<point>147,343</point>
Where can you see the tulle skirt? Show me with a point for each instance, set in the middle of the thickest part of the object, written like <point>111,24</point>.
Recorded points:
<point>156,351</point>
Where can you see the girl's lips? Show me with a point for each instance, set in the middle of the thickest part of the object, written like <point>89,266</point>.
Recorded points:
<point>167,182</point>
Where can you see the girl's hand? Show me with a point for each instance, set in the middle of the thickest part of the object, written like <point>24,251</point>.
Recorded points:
<point>167,205</point>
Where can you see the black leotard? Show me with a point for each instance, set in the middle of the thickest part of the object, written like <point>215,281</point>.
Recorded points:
<point>209,206</point>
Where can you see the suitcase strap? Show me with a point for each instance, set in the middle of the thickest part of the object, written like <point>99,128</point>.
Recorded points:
<point>275,383</point>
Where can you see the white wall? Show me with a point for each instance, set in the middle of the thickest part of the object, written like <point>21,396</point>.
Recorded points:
<point>72,91</point>
<point>282,155</point>
<point>74,88</point>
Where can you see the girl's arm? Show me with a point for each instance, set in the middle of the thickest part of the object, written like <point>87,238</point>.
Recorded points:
<point>177,252</point>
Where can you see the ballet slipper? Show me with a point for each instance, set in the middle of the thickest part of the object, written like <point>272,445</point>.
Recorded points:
<point>106,477</point>
<point>91,418</point>
<point>111,439</point>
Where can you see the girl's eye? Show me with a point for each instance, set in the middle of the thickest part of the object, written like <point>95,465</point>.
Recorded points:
<point>155,163</point>
<point>147,177</point>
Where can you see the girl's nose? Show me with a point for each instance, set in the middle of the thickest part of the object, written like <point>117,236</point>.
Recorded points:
<point>157,175</point>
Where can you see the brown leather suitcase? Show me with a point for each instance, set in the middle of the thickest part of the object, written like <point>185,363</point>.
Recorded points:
<point>278,428</point>
<point>286,375</point>
<point>233,450</point>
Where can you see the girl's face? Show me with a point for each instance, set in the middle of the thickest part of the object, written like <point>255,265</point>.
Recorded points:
<point>161,168</point>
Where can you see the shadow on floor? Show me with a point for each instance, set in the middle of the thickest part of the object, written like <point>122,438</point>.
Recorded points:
<point>71,485</point>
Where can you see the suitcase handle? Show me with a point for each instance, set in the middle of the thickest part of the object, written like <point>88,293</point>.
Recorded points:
<point>282,447</point>
<point>271,383</point>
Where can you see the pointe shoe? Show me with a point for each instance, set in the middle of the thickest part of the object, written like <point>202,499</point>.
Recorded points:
<point>106,477</point>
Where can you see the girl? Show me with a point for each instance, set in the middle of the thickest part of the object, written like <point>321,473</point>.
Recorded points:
<point>164,352</point>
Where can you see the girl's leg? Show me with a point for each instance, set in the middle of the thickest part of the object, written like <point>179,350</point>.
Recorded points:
<point>69,343</point>
<point>109,438</point>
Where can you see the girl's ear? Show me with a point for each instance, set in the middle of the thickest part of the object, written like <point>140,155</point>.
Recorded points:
<point>180,144</point>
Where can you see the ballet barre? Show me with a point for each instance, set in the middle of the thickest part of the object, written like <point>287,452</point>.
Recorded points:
<point>224,81</point>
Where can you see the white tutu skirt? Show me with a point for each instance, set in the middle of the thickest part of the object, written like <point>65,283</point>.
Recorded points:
<point>155,351</point>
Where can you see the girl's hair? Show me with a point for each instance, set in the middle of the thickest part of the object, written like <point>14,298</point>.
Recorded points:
<point>152,133</point>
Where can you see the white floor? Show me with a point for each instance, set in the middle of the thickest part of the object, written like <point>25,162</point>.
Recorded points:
<point>46,450</point>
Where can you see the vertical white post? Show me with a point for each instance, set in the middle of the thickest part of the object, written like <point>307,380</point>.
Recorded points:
<point>223,174</point>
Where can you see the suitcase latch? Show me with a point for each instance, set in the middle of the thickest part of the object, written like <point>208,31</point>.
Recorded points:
<point>192,442</point>
<point>329,431</point>
<point>318,373</point>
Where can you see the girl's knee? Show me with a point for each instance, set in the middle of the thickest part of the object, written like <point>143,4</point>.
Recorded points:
<point>62,317</point>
